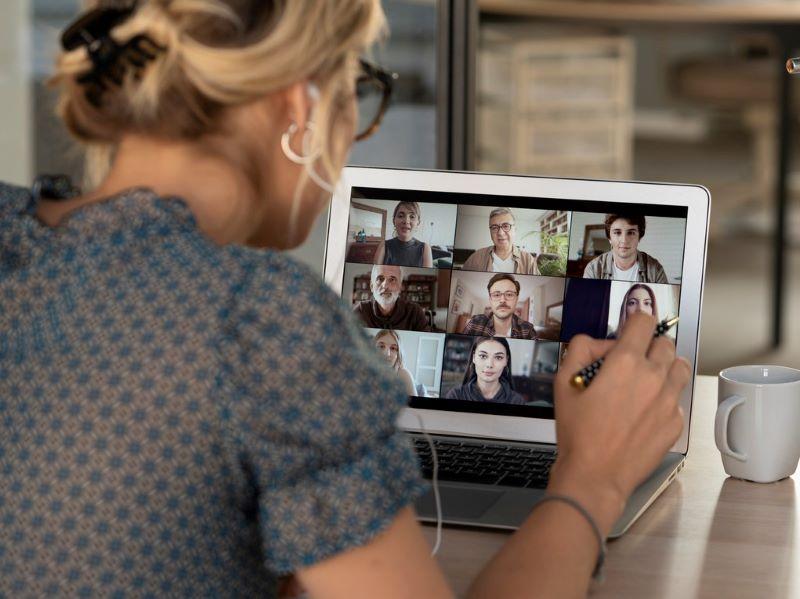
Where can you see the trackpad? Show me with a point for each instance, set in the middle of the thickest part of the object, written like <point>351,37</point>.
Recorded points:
<point>460,503</point>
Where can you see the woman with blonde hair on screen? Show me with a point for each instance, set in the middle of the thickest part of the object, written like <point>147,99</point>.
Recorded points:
<point>387,342</point>
<point>188,411</point>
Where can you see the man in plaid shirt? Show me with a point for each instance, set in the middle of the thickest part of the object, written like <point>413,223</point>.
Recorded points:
<point>501,321</point>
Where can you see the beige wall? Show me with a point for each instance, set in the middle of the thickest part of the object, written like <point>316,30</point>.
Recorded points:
<point>16,99</point>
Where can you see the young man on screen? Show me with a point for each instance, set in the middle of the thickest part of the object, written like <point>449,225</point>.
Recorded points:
<point>625,262</point>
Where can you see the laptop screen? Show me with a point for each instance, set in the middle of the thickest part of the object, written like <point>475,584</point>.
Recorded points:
<point>472,299</point>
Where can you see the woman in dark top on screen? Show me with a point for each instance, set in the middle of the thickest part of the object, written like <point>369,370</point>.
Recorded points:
<point>488,375</point>
<point>404,249</point>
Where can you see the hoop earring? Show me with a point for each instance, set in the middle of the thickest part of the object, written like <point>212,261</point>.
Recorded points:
<point>287,148</point>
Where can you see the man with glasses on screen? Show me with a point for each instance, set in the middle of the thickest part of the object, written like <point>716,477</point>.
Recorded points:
<point>501,321</point>
<point>503,255</point>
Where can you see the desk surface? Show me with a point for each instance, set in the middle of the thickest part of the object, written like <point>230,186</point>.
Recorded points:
<point>706,536</point>
<point>732,12</point>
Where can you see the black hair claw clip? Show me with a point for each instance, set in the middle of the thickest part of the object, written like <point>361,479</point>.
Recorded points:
<point>110,60</point>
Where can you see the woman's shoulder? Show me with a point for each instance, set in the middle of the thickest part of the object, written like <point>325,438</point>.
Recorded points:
<point>282,285</point>
<point>408,380</point>
<point>459,392</point>
<point>13,199</point>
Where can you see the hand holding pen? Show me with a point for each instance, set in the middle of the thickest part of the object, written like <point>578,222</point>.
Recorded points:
<point>583,378</point>
<point>612,435</point>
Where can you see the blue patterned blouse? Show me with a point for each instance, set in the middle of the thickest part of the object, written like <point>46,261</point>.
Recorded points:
<point>179,418</point>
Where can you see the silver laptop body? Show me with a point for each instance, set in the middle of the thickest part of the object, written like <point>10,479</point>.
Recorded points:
<point>454,224</point>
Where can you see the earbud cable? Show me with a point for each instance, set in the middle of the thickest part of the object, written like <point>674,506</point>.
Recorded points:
<point>435,482</point>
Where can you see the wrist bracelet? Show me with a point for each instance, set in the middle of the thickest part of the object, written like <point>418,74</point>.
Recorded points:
<point>597,574</point>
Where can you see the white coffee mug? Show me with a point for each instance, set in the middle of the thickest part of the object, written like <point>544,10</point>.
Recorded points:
<point>757,426</point>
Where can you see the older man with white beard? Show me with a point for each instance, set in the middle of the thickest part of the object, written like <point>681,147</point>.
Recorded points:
<point>386,309</point>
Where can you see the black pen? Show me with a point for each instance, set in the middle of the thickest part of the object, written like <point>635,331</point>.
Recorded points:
<point>583,378</point>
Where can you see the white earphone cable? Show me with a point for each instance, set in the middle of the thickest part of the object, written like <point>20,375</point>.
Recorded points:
<point>435,482</point>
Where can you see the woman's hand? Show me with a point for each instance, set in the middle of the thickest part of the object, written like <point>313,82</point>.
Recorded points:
<point>612,435</point>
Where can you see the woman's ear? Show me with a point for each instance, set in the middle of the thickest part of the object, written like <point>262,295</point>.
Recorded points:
<point>299,99</point>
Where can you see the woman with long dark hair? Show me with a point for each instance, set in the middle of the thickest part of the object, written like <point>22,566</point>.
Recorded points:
<point>488,374</point>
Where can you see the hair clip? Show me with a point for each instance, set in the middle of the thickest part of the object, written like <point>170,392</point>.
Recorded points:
<point>109,58</point>
<point>54,187</point>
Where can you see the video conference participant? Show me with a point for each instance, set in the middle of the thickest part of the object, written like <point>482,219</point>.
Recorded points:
<point>639,298</point>
<point>501,321</point>
<point>503,255</point>
<point>386,309</point>
<point>488,375</point>
<point>387,342</point>
<point>404,249</point>
<point>625,262</point>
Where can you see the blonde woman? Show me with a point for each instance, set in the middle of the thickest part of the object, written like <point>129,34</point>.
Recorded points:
<point>188,412</point>
<point>404,249</point>
<point>387,342</point>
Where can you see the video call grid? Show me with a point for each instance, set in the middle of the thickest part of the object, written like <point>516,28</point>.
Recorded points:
<point>530,204</point>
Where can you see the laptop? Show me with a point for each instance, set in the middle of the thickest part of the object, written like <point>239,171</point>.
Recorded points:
<point>482,281</point>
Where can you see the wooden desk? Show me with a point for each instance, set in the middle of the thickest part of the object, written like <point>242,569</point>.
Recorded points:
<point>707,536</point>
<point>782,18</point>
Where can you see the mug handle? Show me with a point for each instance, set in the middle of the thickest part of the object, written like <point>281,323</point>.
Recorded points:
<point>721,426</point>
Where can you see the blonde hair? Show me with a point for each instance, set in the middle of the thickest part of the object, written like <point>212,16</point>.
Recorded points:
<point>398,362</point>
<point>218,54</point>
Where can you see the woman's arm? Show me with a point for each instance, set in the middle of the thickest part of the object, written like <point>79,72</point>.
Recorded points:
<point>427,256</point>
<point>396,564</point>
<point>379,253</point>
<point>631,410</point>
<point>633,413</point>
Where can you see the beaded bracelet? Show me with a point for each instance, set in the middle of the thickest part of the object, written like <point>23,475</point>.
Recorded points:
<point>597,574</point>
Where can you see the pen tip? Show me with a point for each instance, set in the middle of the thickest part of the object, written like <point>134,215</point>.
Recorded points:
<point>578,381</point>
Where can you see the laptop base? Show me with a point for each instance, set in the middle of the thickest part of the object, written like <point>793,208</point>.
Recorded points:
<point>496,506</point>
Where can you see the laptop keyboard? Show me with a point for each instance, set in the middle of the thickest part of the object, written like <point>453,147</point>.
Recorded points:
<point>486,463</point>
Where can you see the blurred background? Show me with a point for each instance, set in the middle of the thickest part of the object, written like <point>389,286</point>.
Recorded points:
<point>671,90</point>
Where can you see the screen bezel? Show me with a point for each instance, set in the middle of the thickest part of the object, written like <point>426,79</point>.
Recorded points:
<point>695,198</point>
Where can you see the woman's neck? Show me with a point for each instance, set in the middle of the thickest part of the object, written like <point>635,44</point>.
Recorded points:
<point>488,389</point>
<point>219,195</point>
